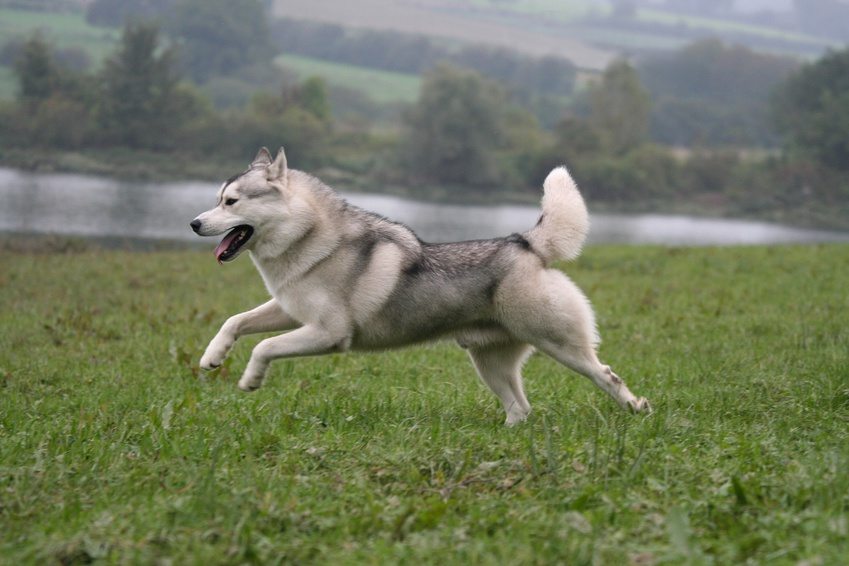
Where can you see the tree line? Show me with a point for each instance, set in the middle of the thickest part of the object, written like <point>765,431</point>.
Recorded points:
<point>465,135</point>
<point>140,100</point>
<point>707,94</point>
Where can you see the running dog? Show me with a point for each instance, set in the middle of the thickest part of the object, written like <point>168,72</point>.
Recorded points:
<point>342,278</point>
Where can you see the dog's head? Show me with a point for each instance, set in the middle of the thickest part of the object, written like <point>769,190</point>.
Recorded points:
<point>247,204</point>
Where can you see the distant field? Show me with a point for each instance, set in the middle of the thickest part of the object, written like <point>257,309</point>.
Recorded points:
<point>561,10</point>
<point>672,19</point>
<point>63,30</point>
<point>115,449</point>
<point>380,86</point>
<point>452,22</point>
<point>630,39</point>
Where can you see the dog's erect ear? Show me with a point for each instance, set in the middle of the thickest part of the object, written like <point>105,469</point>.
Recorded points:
<point>277,169</point>
<point>263,157</point>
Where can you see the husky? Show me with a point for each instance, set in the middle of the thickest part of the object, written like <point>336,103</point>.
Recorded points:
<point>342,278</point>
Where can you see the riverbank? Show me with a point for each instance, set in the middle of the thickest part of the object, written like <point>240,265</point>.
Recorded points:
<point>122,164</point>
<point>147,166</point>
<point>102,208</point>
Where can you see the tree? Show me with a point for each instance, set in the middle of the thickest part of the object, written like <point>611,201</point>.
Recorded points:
<point>709,93</point>
<point>141,104</point>
<point>454,128</point>
<point>811,110</point>
<point>619,108</point>
<point>218,36</point>
<point>37,72</point>
<point>310,95</point>
<point>53,106</point>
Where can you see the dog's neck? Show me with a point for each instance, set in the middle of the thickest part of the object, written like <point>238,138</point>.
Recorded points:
<point>303,246</point>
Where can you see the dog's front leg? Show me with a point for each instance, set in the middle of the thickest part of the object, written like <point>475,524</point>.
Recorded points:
<point>308,340</point>
<point>268,317</point>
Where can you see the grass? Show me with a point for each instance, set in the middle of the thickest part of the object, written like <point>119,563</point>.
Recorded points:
<point>380,86</point>
<point>113,446</point>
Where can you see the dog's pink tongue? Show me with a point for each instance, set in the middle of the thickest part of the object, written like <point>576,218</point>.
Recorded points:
<point>224,244</point>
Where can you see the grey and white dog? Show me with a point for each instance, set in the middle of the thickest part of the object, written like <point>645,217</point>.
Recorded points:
<point>342,278</point>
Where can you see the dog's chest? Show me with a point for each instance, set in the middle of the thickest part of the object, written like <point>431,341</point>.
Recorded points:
<point>306,299</point>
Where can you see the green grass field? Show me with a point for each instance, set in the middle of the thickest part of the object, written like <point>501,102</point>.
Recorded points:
<point>113,446</point>
<point>380,86</point>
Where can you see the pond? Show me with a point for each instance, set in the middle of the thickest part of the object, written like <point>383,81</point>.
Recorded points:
<point>91,206</point>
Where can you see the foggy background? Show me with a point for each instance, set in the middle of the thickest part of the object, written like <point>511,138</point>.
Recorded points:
<point>733,108</point>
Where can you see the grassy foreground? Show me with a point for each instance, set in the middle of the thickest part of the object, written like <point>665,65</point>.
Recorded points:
<point>114,447</point>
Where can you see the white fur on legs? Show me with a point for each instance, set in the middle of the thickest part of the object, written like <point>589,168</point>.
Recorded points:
<point>304,341</point>
<point>499,367</point>
<point>559,321</point>
<point>585,362</point>
<point>613,385</point>
<point>267,317</point>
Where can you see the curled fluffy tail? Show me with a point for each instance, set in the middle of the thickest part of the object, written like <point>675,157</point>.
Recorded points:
<point>564,224</point>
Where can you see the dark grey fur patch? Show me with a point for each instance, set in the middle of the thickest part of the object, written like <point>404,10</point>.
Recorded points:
<point>490,291</point>
<point>518,239</point>
<point>233,178</point>
<point>366,247</point>
<point>416,267</point>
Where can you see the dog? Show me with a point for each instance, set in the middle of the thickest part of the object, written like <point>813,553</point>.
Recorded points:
<point>342,278</point>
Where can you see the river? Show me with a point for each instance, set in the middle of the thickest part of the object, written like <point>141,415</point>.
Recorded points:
<point>91,206</point>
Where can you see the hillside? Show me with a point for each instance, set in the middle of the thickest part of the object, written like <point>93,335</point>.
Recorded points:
<point>588,33</point>
<point>454,22</point>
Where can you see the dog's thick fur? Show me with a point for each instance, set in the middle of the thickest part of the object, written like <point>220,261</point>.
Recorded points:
<point>342,278</point>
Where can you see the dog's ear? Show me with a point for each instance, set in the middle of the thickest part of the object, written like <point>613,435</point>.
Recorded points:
<point>263,157</point>
<point>277,169</point>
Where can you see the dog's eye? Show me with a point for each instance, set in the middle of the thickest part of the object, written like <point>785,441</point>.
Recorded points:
<point>230,201</point>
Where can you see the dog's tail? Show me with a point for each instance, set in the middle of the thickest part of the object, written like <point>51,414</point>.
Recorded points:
<point>564,223</point>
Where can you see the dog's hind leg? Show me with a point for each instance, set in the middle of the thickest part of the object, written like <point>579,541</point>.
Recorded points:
<point>557,319</point>
<point>583,360</point>
<point>500,368</point>
<point>268,317</point>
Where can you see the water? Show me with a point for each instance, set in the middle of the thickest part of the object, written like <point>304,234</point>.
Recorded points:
<point>84,205</point>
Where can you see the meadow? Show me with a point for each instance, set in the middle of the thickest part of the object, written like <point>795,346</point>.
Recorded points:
<point>114,447</point>
<point>380,86</point>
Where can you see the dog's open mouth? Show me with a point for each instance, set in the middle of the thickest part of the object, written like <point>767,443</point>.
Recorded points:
<point>233,242</point>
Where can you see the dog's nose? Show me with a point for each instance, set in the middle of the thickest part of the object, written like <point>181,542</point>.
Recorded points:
<point>195,224</point>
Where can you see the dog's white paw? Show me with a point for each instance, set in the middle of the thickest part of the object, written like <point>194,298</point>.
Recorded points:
<point>640,405</point>
<point>214,355</point>
<point>250,382</point>
<point>516,416</point>
<point>210,362</point>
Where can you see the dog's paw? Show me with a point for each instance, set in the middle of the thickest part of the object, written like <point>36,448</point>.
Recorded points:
<point>516,416</point>
<point>640,405</point>
<point>249,384</point>
<point>209,363</point>
<point>254,374</point>
<point>213,357</point>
